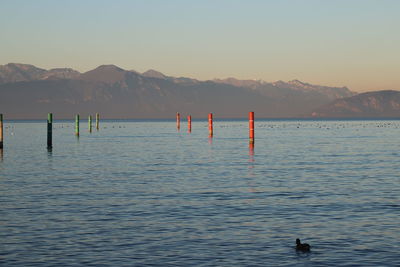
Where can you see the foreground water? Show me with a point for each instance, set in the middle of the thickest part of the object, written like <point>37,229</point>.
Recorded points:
<point>143,194</point>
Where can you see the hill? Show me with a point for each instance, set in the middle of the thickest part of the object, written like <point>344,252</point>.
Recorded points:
<point>379,104</point>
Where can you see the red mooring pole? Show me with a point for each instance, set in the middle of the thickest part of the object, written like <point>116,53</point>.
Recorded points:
<point>251,127</point>
<point>189,118</point>
<point>210,125</point>
<point>178,120</point>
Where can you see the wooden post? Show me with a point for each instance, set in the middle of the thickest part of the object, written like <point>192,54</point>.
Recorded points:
<point>49,130</point>
<point>210,125</point>
<point>178,120</point>
<point>1,131</point>
<point>77,125</point>
<point>97,121</point>
<point>251,127</point>
<point>90,123</point>
<point>189,118</point>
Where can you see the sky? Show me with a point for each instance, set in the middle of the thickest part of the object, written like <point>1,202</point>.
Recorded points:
<point>353,43</point>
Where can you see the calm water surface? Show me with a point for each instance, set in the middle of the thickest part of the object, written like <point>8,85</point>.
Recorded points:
<point>143,194</point>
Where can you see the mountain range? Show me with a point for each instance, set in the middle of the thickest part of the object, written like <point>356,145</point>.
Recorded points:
<point>380,104</point>
<point>28,92</point>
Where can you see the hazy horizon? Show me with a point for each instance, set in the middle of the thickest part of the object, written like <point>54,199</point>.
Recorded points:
<point>340,43</point>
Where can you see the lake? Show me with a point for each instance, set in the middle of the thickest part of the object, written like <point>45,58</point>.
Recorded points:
<point>141,193</point>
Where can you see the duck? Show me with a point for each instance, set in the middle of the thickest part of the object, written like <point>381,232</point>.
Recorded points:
<point>302,247</point>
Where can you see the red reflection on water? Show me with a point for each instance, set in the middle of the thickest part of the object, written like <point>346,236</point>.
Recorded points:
<point>251,151</point>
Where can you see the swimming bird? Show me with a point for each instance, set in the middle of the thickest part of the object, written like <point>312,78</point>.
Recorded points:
<point>302,247</point>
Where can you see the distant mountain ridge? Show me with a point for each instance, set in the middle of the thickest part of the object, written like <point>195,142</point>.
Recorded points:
<point>14,72</point>
<point>380,104</point>
<point>279,87</point>
<point>154,74</point>
<point>30,92</point>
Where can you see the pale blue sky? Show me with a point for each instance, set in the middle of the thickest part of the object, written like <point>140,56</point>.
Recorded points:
<point>340,42</point>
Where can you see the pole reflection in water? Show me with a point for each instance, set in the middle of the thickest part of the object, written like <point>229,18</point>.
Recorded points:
<point>251,174</point>
<point>50,164</point>
<point>1,155</point>
<point>210,150</point>
<point>251,152</point>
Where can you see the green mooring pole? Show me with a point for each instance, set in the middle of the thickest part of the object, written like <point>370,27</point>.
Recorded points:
<point>97,121</point>
<point>49,130</point>
<point>77,125</point>
<point>90,123</point>
<point>1,131</point>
